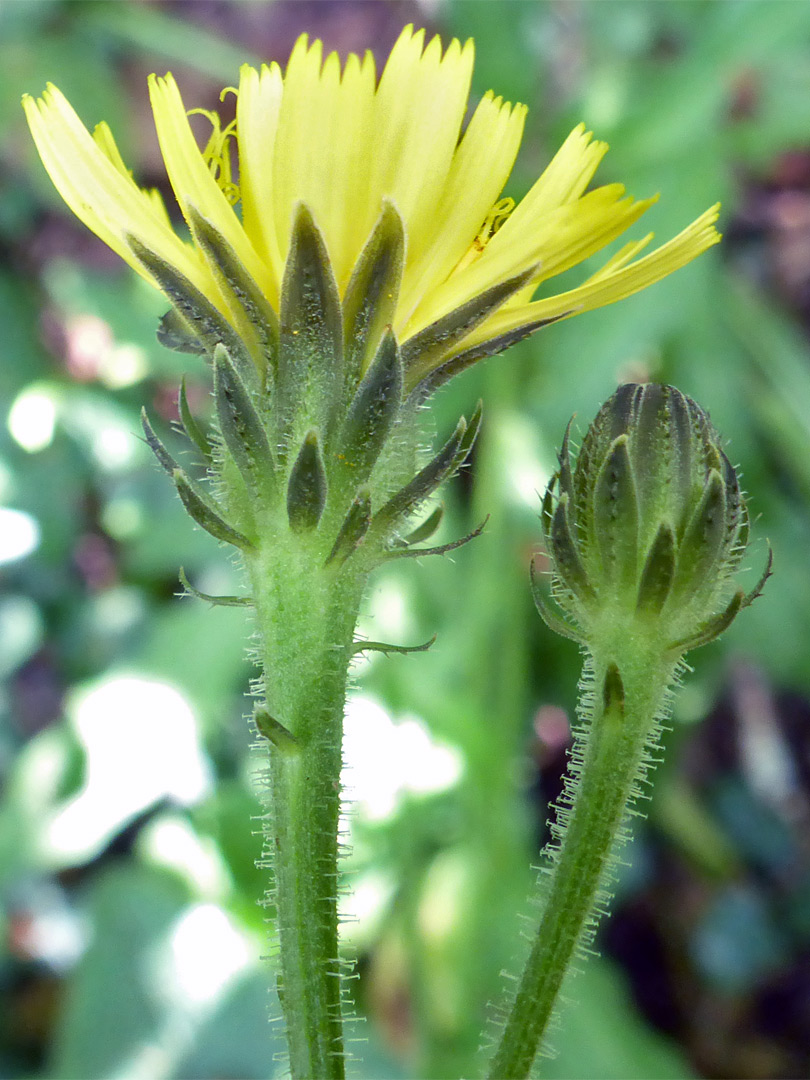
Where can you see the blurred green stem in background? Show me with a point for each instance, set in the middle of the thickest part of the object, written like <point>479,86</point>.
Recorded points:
<point>490,649</point>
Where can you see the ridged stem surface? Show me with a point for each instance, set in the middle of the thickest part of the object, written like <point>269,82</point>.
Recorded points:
<point>306,619</point>
<point>605,774</point>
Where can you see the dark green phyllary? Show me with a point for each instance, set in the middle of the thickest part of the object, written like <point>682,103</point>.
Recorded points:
<point>317,427</point>
<point>647,528</point>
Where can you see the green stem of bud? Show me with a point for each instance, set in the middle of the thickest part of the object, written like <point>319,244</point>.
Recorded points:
<point>620,710</point>
<point>643,536</point>
<point>306,619</point>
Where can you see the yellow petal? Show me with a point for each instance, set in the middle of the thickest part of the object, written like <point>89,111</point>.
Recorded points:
<point>351,139</point>
<point>561,184</point>
<point>100,193</point>
<point>322,177</point>
<point>584,233</point>
<point>602,289</point>
<point>297,137</point>
<point>564,180</point>
<point>105,141</point>
<point>190,178</point>
<point>158,206</point>
<point>553,241</point>
<point>622,257</point>
<point>418,111</point>
<point>257,112</point>
<point>616,262</point>
<point>324,144</point>
<point>481,166</point>
<point>332,140</point>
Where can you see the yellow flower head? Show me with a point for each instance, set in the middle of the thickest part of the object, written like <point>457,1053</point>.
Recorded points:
<point>350,147</point>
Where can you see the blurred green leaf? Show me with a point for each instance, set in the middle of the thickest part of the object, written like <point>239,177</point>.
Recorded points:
<point>600,1038</point>
<point>114,1017</point>
<point>238,1039</point>
<point>156,33</point>
<point>738,941</point>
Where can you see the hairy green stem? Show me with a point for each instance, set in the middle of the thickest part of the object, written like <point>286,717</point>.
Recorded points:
<point>306,618</point>
<point>606,765</point>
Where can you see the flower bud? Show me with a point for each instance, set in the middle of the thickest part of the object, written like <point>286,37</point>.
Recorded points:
<point>648,527</point>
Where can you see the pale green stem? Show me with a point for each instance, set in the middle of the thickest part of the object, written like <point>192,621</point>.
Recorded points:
<point>613,761</point>
<point>306,619</point>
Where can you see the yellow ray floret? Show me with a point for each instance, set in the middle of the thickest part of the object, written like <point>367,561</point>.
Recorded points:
<point>344,143</point>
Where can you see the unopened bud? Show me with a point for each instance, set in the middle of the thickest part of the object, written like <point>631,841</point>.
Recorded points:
<point>646,530</point>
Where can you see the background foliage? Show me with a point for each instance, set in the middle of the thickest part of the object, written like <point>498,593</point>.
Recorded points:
<point>129,932</point>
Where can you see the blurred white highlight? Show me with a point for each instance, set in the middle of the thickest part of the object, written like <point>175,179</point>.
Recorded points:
<point>141,744</point>
<point>171,841</point>
<point>32,418</point>
<point>518,449</point>
<point>19,535</point>
<point>206,953</point>
<point>384,760</point>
